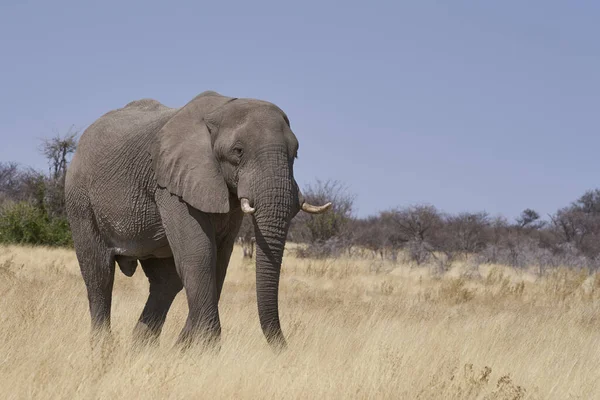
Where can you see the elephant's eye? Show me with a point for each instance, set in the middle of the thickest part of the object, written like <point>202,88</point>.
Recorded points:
<point>238,151</point>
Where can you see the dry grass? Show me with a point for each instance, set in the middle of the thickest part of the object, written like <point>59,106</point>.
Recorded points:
<point>356,329</point>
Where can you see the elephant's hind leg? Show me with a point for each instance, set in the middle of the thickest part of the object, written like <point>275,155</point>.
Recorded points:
<point>164,286</point>
<point>97,265</point>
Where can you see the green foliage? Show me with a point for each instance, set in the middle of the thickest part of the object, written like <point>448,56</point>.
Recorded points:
<point>24,223</point>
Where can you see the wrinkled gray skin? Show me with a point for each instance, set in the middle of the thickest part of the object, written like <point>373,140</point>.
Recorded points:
<point>163,186</point>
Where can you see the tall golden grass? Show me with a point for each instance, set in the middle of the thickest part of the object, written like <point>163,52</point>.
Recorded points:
<point>356,329</point>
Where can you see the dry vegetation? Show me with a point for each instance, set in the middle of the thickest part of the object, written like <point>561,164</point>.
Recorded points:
<point>356,329</point>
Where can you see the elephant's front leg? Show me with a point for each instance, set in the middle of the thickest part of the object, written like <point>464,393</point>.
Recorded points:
<point>223,257</point>
<point>225,245</point>
<point>192,239</point>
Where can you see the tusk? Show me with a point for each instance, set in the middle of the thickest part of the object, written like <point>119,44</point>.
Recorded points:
<point>246,206</point>
<point>309,208</point>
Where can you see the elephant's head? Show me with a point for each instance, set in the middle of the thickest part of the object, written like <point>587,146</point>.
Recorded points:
<point>220,153</point>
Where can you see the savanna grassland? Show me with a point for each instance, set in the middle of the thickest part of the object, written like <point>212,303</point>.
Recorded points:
<point>356,328</point>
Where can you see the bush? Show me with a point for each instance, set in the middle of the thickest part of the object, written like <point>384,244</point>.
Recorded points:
<point>23,223</point>
<point>319,228</point>
<point>333,247</point>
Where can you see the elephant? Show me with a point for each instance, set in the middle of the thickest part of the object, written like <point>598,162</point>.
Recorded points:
<point>168,187</point>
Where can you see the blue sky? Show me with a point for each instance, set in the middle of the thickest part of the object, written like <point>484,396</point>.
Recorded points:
<point>465,105</point>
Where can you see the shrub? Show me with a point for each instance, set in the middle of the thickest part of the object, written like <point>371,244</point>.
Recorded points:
<point>23,223</point>
<point>332,224</point>
<point>333,247</point>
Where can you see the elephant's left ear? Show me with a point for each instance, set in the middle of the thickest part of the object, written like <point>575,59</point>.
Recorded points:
<point>183,158</point>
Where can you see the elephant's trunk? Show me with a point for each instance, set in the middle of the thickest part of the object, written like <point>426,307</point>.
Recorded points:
<point>270,242</point>
<point>276,203</point>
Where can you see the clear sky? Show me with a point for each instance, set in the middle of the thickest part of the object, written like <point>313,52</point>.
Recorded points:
<point>465,105</point>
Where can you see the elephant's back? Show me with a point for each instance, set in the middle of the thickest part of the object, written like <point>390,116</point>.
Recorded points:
<point>117,138</point>
<point>130,126</point>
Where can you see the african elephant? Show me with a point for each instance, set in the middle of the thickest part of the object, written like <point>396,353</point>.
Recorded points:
<point>169,187</point>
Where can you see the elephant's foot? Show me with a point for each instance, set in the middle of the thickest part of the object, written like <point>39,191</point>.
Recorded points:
<point>277,343</point>
<point>145,336</point>
<point>102,345</point>
<point>204,338</point>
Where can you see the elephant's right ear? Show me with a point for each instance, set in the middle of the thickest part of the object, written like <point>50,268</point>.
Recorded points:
<point>183,158</point>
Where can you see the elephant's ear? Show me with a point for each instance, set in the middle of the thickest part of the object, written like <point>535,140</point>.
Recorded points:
<point>183,158</point>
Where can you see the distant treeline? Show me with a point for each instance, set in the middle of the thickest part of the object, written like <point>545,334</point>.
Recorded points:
<point>32,211</point>
<point>422,234</point>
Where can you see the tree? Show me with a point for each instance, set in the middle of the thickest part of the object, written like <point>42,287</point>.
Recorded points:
<point>414,227</point>
<point>529,219</point>
<point>414,222</point>
<point>327,234</point>
<point>575,226</point>
<point>467,231</point>
<point>588,203</point>
<point>373,234</point>
<point>9,180</point>
<point>331,224</point>
<point>18,184</point>
<point>57,151</point>
<point>497,233</point>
